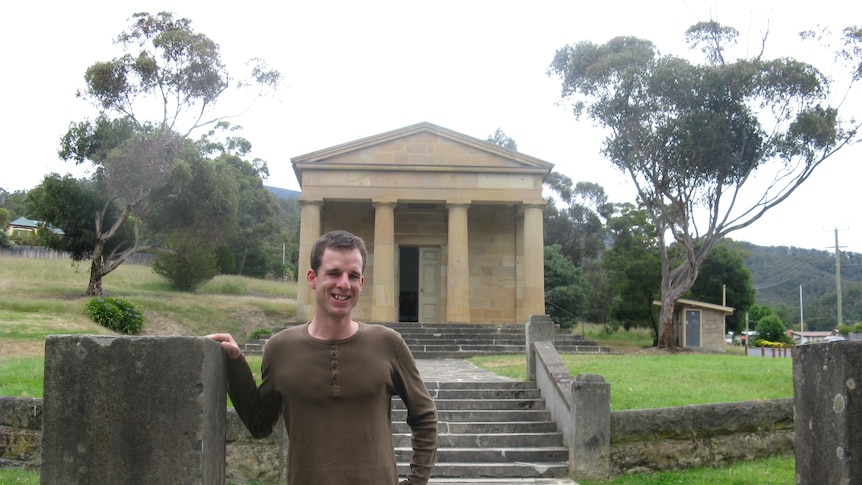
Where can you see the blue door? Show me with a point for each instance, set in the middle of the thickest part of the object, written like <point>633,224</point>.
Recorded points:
<point>692,328</point>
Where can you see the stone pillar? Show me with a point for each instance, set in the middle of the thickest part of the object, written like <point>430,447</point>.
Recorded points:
<point>309,232</point>
<point>540,328</point>
<point>827,398</point>
<point>383,301</point>
<point>133,410</point>
<point>590,449</point>
<point>458,266</point>
<point>534,260</point>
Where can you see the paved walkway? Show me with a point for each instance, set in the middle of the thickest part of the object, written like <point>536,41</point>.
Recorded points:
<point>455,370</point>
<point>501,481</point>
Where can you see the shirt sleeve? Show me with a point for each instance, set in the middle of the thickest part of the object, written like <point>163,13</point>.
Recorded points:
<point>421,416</point>
<point>257,407</point>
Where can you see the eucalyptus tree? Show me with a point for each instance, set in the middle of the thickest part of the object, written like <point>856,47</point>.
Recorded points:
<point>164,88</point>
<point>691,136</point>
<point>500,138</point>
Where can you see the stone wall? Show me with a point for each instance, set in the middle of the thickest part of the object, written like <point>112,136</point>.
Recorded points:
<point>648,440</point>
<point>246,458</point>
<point>641,440</point>
<point>636,441</point>
<point>20,432</point>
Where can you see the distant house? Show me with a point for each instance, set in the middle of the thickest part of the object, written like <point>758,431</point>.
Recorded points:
<point>800,338</point>
<point>22,225</point>
<point>700,325</point>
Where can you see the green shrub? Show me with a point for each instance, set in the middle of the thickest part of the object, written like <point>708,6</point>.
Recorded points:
<point>846,329</point>
<point>261,331</point>
<point>194,264</point>
<point>114,313</point>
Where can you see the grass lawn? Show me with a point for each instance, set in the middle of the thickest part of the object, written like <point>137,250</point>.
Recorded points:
<point>766,471</point>
<point>655,379</point>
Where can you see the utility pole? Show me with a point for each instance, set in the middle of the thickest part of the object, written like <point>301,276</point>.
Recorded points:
<point>838,276</point>
<point>801,316</point>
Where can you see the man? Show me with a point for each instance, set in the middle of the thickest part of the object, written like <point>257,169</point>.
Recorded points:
<point>332,380</point>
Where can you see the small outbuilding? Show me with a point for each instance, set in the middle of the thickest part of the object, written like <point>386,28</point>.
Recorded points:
<point>700,325</point>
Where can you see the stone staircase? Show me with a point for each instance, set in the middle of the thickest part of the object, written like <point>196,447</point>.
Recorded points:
<point>458,341</point>
<point>455,340</point>
<point>499,430</point>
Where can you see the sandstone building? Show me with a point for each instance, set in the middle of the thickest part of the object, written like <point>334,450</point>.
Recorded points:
<point>453,225</point>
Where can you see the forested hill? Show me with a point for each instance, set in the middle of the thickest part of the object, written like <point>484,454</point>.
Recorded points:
<point>778,272</point>
<point>283,193</point>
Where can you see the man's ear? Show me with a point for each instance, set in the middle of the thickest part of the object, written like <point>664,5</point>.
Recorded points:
<point>312,279</point>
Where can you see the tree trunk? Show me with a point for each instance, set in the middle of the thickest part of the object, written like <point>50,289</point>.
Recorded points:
<point>94,288</point>
<point>667,339</point>
<point>97,267</point>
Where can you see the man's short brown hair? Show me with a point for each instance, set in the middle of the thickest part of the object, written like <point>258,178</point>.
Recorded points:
<point>341,240</point>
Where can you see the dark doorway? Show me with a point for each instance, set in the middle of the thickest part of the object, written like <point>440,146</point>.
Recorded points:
<point>408,284</point>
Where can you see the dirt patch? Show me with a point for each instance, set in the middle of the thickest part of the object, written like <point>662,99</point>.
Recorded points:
<point>22,348</point>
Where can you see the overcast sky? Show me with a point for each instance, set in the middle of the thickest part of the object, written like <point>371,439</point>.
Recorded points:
<point>356,69</point>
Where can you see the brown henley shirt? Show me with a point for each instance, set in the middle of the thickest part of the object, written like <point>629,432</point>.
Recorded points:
<point>335,397</point>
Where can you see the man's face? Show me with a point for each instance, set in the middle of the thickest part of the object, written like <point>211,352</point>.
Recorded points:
<point>338,281</point>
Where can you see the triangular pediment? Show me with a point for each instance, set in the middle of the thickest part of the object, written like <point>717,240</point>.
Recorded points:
<point>421,147</point>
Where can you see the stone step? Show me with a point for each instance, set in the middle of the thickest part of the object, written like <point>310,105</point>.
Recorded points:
<point>495,470</point>
<point>490,455</point>
<point>498,384</point>
<point>489,440</point>
<point>486,415</point>
<point>501,481</point>
<point>485,404</point>
<point>492,427</point>
<point>497,430</point>
<point>487,393</point>
<point>441,340</point>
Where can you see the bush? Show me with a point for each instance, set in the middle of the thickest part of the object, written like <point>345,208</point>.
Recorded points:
<point>114,313</point>
<point>194,264</point>
<point>846,329</point>
<point>771,328</point>
<point>265,332</point>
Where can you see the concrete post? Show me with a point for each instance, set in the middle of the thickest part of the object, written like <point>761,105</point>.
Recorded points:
<point>540,328</point>
<point>590,449</point>
<point>827,391</point>
<point>133,410</point>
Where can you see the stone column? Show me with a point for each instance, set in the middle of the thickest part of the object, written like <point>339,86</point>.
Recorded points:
<point>383,301</point>
<point>590,449</point>
<point>457,266</point>
<point>534,261</point>
<point>827,399</point>
<point>309,231</point>
<point>134,410</point>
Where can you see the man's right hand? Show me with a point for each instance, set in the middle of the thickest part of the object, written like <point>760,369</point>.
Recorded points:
<point>227,342</point>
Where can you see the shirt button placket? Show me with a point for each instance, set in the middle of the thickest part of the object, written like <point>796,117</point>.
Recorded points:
<point>336,388</point>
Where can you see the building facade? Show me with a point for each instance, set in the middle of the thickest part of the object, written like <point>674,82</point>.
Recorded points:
<point>453,225</point>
